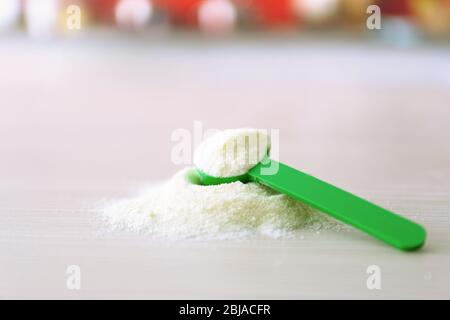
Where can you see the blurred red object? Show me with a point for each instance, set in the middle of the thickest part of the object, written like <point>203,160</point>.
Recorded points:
<point>267,12</point>
<point>271,13</point>
<point>180,11</point>
<point>395,7</point>
<point>103,10</point>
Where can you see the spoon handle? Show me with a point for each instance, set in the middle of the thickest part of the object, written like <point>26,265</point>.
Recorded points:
<point>342,205</point>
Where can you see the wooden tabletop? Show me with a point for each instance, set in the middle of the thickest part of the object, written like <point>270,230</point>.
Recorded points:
<point>90,119</point>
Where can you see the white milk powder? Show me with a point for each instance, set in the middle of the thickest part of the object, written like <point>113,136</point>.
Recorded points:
<point>183,208</point>
<point>231,153</point>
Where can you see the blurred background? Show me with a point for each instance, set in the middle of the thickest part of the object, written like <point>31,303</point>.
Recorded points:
<point>93,89</point>
<point>405,18</point>
<point>428,18</point>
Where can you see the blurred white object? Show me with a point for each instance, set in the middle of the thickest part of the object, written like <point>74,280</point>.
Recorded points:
<point>217,15</point>
<point>41,17</point>
<point>9,13</point>
<point>133,13</point>
<point>316,11</point>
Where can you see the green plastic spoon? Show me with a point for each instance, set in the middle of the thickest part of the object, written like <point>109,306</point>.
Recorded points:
<point>342,205</point>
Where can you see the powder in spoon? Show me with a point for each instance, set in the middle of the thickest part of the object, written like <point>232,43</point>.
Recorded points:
<point>231,153</point>
<point>183,208</point>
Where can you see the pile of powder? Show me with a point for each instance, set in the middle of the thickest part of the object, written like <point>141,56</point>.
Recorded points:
<point>184,208</point>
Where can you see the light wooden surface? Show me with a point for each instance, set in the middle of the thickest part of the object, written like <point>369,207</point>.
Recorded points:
<point>90,119</point>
